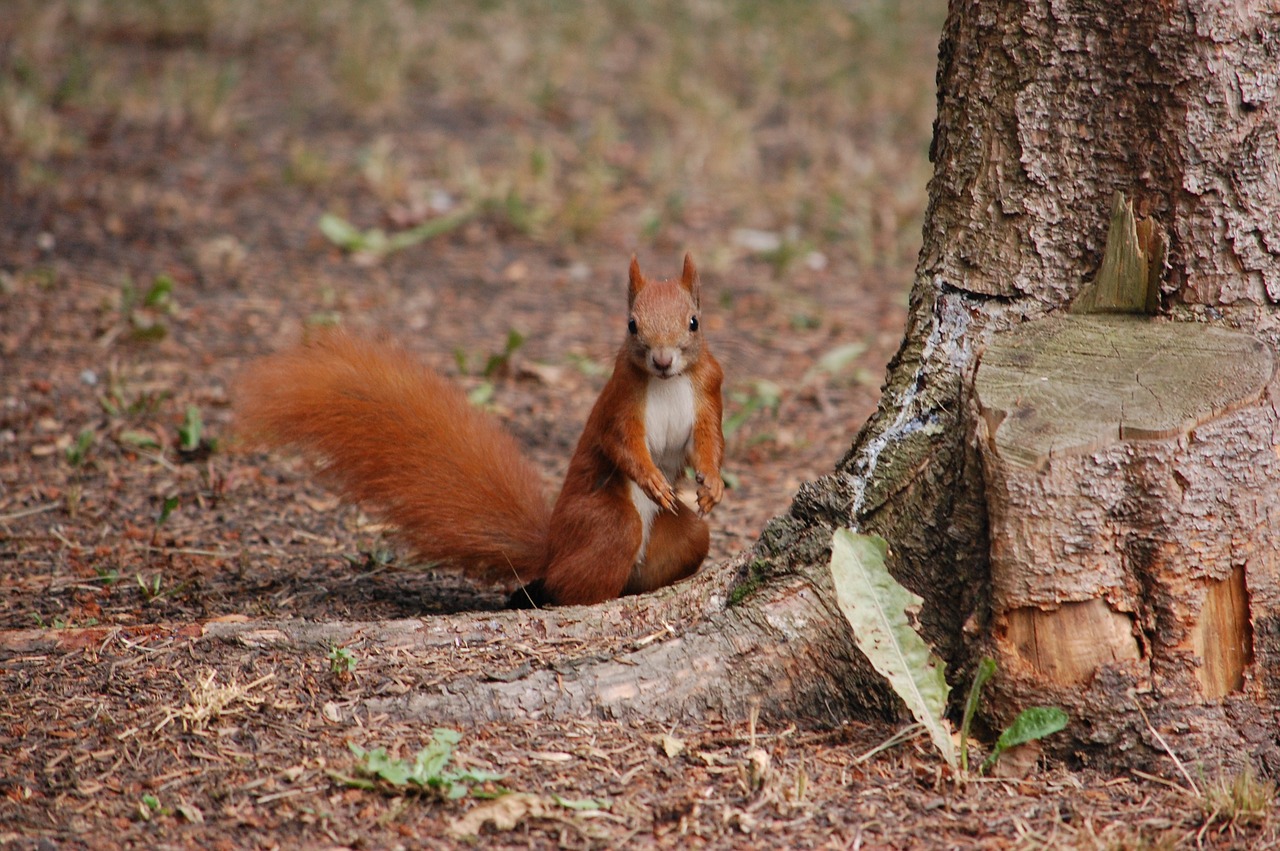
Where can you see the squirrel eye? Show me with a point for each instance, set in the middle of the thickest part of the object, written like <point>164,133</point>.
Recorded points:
<point>693,323</point>
<point>631,326</point>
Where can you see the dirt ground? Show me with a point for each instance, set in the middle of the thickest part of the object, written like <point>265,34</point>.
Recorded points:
<point>161,191</point>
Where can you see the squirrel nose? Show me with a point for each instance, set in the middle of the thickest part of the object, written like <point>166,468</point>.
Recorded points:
<point>662,360</point>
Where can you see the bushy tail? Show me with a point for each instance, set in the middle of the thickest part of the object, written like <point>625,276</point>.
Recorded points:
<point>403,442</point>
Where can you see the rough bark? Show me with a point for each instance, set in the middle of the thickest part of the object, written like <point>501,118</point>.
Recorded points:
<point>1046,109</point>
<point>1132,492</point>
<point>693,650</point>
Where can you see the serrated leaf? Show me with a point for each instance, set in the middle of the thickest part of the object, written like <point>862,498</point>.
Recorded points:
<point>429,764</point>
<point>1032,723</point>
<point>876,608</point>
<point>379,764</point>
<point>427,768</point>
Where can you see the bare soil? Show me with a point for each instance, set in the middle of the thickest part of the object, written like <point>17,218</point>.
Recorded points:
<point>122,725</point>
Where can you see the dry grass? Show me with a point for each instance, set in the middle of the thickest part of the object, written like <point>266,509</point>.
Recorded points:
<point>209,702</point>
<point>780,116</point>
<point>1240,800</point>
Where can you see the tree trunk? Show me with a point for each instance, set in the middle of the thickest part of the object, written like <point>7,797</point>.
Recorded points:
<point>1044,111</point>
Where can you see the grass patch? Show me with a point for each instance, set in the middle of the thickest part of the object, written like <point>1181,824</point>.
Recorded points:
<point>1241,800</point>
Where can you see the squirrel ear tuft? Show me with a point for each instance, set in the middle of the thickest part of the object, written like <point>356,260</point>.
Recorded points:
<point>635,281</point>
<point>689,277</point>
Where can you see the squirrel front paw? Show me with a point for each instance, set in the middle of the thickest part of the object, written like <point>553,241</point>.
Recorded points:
<point>658,489</point>
<point>710,490</point>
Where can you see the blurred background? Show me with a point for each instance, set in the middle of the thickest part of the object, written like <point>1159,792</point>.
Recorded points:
<point>565,122</point>
<point>185,185</point>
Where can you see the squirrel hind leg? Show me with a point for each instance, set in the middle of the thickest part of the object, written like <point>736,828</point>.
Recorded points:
<point>678,544</point>
<point>591,560</point>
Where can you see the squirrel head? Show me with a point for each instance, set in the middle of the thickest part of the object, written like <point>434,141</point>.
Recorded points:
<point>664,334</point>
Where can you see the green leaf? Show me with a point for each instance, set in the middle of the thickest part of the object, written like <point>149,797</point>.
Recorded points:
<point>341,232</point>
<point>341,660</point>
<point>429,229</point>
<point>377,763</point>
<point>190,431</point>
<point>1031,724</point>
<point>481,394</point>
<point>354,782</point>
<point>431,760</point>
<point>166,508</point>
<point>376,242</point>
<point>835,361</point>
<point>580,803</point>
<point>161,290</point>
<point>77,452</point>
<point>500,360</point>
<point>427,770</point>
<point>876,607</point>
<point>986,669</point>
<point>139,439</point>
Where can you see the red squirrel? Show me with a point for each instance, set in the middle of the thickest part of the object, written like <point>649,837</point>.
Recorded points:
<point>403,441</point>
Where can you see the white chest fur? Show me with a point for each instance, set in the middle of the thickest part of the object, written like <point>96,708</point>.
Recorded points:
<point>668,422</point>
<point>668,430</point>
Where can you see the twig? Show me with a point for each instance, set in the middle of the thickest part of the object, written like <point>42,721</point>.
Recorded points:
<point>1195,790</point>
<point>69,544</point>
<point>159,458</point>
<point>187,551</point>
<point>289,793</point>
<point>1163,781</point>
<point>906,734</point>
<point>27,512</point>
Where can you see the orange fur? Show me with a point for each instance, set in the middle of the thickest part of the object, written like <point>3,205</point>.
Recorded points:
<point>677,545</point>
<point>596,532</point>
<point>405,442</point>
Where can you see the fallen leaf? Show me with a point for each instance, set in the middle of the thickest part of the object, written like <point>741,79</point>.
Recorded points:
<point>504,813</point>
<point>190,812</point>
<point>759,765</point>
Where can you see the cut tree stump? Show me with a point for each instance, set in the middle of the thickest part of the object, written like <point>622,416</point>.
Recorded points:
<point>1132,475</point>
